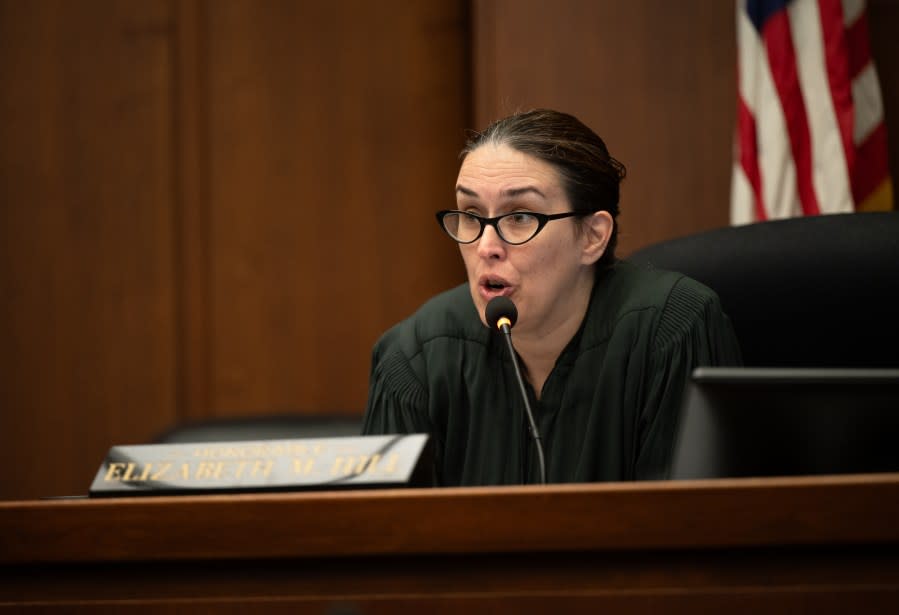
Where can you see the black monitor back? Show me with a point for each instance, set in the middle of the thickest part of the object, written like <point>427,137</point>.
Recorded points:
<point>739,422</point>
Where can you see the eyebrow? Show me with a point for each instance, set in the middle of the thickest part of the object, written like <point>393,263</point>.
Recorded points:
<point>509,192</point>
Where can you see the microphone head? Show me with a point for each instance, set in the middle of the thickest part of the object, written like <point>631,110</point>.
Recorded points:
<point>500,307</point>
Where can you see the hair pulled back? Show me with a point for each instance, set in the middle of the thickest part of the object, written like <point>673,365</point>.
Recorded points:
<point>590,176</point>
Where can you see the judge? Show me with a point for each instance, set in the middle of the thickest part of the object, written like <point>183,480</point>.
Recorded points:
<point>605,347</point>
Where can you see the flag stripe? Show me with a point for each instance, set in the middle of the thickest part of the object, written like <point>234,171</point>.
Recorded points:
<point>868,104</point>
<point>782,59</point>
<point>810,134</point>
<point>871,165</point>
<point>830,176</point>
<point>837,63</point>
<point>852,10</point>
<point>777,173</point>
<point>858,49</point>
<point>749,155</point>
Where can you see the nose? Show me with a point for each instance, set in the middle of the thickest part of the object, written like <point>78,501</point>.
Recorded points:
<point>490,245</point>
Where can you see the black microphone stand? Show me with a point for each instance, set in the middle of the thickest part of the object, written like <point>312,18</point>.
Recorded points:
<point>535,433</point>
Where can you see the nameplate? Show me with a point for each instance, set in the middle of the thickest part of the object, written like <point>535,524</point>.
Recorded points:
<point>266,465</point>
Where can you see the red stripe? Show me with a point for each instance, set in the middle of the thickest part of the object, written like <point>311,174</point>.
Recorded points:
<point>858,48</point>
<point>749,159</point>
<point>837,63</point>
<point>782,59</point>
<point>872,164</point>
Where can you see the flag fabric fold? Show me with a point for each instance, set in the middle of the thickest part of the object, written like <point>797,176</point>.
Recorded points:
<point>810,136</point>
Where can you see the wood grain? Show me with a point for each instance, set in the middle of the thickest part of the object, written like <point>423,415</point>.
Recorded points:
<point>87,273</point>
<point>698,514</point>
<point>828,544</point>
<point>334,130</point>
<point>656,80</point>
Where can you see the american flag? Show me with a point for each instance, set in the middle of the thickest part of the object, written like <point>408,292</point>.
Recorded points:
<point>810,135</point>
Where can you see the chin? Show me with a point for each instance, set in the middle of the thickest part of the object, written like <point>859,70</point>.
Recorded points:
<point>479,304</point>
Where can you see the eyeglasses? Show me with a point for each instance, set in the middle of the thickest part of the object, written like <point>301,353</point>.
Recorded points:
<point>514,228</point>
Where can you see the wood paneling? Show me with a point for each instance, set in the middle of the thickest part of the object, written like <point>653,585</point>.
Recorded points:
<point>333,134</point>
<point>654,79</point>
<point>86,275</point>
<point>212,208</point>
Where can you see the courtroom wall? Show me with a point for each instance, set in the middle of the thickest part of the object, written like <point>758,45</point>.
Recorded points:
<point>212,208</point>
<point>656,80</point>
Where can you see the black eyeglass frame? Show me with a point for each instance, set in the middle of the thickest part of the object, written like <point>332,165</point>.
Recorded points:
<point>542,220</point>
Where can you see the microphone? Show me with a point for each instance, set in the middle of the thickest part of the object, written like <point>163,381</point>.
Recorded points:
<point>501,308</point>
<point>502,314</point>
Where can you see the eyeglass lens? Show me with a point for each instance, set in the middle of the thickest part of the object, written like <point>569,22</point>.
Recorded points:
<point>513,228</point>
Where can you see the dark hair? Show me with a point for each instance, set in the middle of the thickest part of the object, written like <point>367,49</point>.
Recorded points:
<point>590,176</point>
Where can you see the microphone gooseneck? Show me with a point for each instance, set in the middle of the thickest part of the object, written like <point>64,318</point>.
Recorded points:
<point>502,314</point>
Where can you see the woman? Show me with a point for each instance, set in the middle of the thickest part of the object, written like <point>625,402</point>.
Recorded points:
<point>605,347</point>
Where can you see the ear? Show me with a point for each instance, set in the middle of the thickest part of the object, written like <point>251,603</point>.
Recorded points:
<point>597,231</point>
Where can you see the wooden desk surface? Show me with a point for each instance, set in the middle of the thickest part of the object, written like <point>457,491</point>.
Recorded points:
<point>767,543</point>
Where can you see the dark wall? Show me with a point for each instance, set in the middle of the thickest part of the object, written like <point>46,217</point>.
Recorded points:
<point>214,207</point>
<point>656,80</point>
<point>211,208</point>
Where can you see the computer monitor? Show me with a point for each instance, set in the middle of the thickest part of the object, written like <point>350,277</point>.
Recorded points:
<point>741,422</point>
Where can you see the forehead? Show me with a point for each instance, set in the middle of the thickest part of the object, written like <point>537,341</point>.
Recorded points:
<point>492,169</point>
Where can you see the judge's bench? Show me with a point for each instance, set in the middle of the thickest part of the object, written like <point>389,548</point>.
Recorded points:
<point>825,544</point>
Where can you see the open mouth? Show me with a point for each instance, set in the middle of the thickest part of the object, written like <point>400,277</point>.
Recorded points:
<point>492,286</point>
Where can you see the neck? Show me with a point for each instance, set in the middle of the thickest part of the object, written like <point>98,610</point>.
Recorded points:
<point>540,349</point>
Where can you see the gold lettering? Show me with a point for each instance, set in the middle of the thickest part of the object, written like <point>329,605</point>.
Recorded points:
<point>342,465</point>
<point>185,471</point>
<point>373,464</point>
<point>164,468</point>
<point>112,472</point>
<point>230,470</point>
<point>263,468</point>
<point>128,472</point>
<point>298,450</point>
<point>301,467</point>
<point>392,461</point>
<point>352,464</point>
<point>209,469</point>
<point>146,473</point>
<point>254,451</point>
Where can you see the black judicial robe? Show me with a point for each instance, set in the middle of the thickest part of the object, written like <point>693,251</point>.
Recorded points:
<point>607,411</point>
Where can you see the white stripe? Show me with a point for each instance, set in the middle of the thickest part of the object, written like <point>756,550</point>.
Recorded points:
<point>830,177</point>
<point>852,10</point>
<point>868,103</point>
<point>742,199</point>
<point>776,167</point>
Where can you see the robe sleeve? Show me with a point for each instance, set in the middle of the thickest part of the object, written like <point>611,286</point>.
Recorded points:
<point>693,331</point>
<point>398,404</point>
<point>397,401</point>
